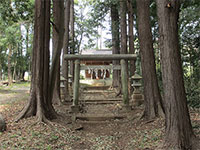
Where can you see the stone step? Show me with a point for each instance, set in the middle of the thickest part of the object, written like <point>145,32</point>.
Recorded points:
<point>97,88</point>
<point>99,103</point>
<point>98,118</point>
<point>99,92</point>
<point>96,101</point>
<point>101,100</point>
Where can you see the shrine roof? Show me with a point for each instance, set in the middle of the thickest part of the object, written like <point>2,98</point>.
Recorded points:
<point>96,52</point>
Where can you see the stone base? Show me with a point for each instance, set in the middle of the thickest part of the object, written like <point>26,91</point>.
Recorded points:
<point>137,102</point>
<point>75,109</point>
<point>126,108</point>
<point>137,96</point>
<point>66,99</point>
<point>137,99</point>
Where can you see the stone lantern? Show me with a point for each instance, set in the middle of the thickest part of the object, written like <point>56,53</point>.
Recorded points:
<point>70,80</point>
<point>70,84</point>
<point>62,87</point>
<point>137,97</point>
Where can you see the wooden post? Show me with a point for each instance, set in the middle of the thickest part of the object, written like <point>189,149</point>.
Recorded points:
<point>124,79</point>
<point>76,83</point>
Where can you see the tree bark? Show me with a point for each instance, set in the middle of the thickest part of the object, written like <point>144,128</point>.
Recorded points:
<point>152,97</point>
<point>1,72</point>
<point>54,82</point>
<point>115,42</point>
<point>179,133</point>
<point>72,34</point>
<point>14,71</point>
<point>9,65</point>
<point>27,46</point>
<point>58,12</point>
<point>65,63</point>
<point>131,36</point>
<point>39,104</point>
<point>123,26</point>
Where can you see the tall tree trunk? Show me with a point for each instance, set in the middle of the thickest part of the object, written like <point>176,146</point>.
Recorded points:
<point>131,36</point>
<point>27,37</point>
<point>115,42</point>
<point>58,13</point>
<point>9,65</point>
<point>179,133</point>
<point>39,104</point>
<point>27,47</point>
<point>123,26</point>
<point>123,29</point>
<point>0,71</point>
<point>57,29</point>
<point>14,71</point>
<point>22,75</point>
<point>152,95</point>
<point>72,34</point>
<point>66,46</point>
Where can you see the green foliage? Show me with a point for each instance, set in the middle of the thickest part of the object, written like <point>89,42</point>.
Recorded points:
<point>189,32</point>
<point>89,15</point>
<point>193,92</point>
<point>15,17</point>
<point>24,9</point>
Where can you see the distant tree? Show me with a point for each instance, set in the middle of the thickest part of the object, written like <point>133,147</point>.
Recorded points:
<point>72,35</point>
<point>86,26</point>
<point>7,35</point>
<point>115,41</point>
<point>131,35</point>
<point>9,65</point>
<point>65,64</point>
<point>152,97</point>
<point>123,27</point>
<point>14,16</point>
<point>189,34</point>
<point>178,133</point>
<point>39,103</point>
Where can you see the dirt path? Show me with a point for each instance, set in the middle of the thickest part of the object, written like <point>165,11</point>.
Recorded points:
<point>129,133</point>
<point>11,94</point>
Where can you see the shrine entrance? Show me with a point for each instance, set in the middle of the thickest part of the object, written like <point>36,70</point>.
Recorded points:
<point>124,58</point>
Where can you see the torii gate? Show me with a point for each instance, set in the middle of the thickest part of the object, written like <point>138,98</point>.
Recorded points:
<point>124,76</point>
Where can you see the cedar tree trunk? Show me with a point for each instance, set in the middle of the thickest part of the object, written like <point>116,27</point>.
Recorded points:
<point>152,95</point>
<point>9,65</point>
<point>66,46</point>
<point>0,72</point>
<point>115,42</point>
<point>58,12</point>
<point>179,133</point>
<point>123,27</point>
<point>131,36</point>
<point>39,104</point>
<point>72,34</point>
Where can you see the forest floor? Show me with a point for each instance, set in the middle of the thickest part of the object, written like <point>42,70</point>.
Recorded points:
<point>71,132</point>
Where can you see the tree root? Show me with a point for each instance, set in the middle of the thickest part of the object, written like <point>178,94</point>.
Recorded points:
<point>195,145</point>
<point>27,111</point>
<point>31,109</point>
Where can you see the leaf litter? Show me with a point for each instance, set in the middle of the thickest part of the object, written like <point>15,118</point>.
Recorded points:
<point>130,134</point>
